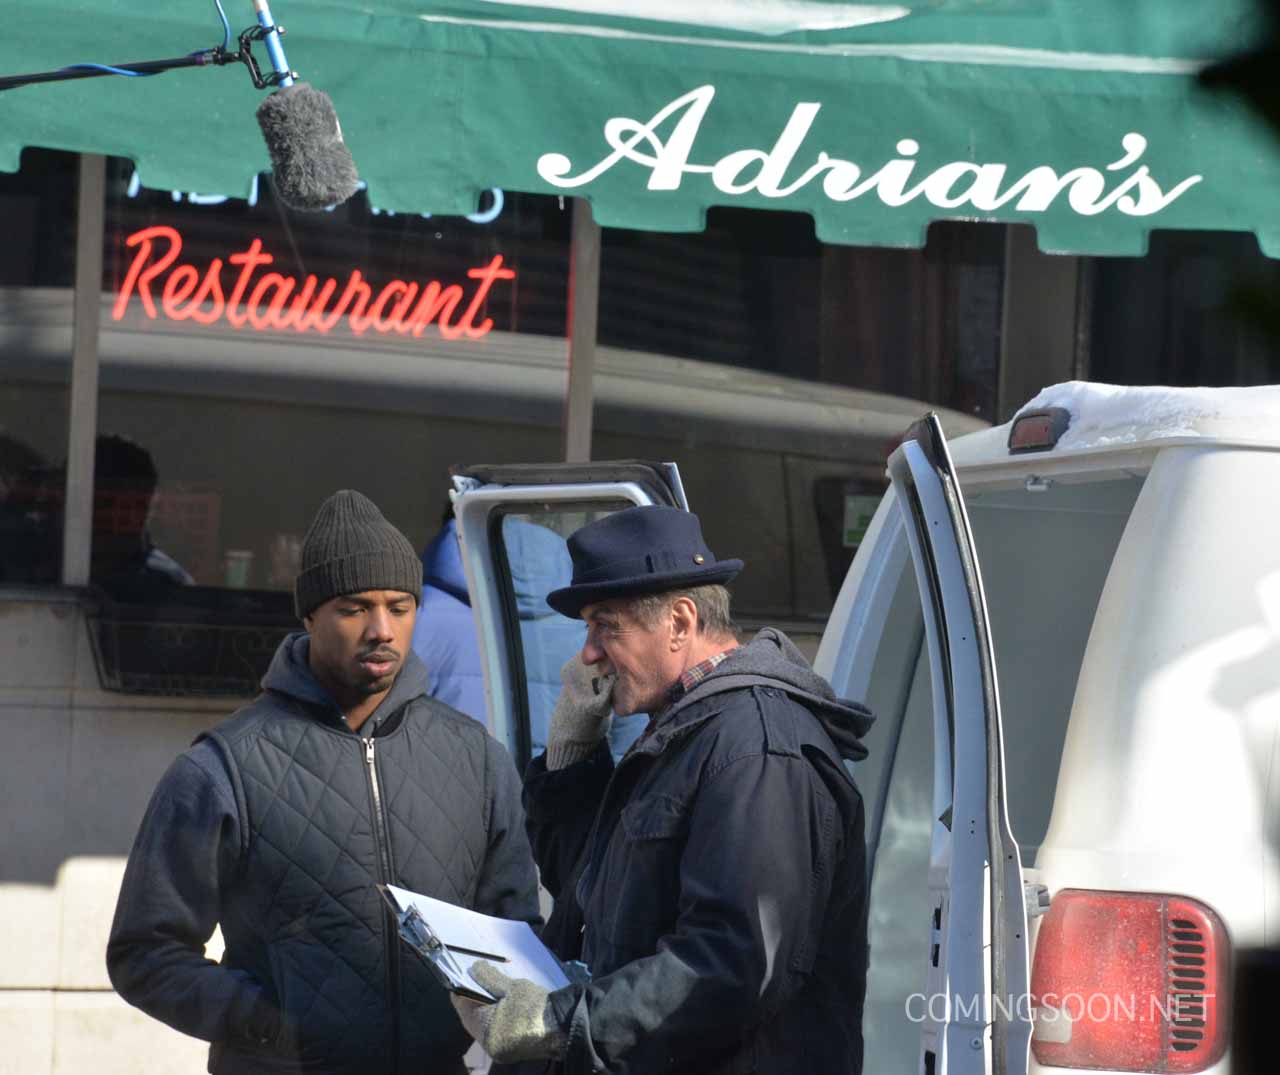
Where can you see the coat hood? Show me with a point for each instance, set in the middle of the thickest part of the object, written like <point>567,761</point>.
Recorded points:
<point>442,563</point>
<point>539,562</point>
<point>772,659</point>
<point>290,674</point>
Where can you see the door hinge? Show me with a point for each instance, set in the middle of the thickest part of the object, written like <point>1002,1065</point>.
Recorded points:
<point>1036,898</point>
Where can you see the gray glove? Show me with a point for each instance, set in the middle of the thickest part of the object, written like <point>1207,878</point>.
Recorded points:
<point>582,714</point>
<point>519,1027</point>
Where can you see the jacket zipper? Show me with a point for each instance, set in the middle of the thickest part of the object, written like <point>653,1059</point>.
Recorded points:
<point>379,825</point>
<point>391,939</point>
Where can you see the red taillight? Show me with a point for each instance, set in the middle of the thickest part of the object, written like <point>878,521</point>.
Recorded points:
<point>1130,982</point>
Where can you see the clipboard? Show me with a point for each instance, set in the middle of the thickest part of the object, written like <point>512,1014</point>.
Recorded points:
<point>450,939</point>
<point>418,935</point>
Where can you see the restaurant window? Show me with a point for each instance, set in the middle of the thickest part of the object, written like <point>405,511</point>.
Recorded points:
<point>795,344</point>
<point>255,360</point>
<point>1198,309</point>
<point>757,290</point>
<point>37,268</point>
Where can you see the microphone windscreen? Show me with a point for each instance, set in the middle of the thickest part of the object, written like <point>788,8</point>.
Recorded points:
<point>312,166</point>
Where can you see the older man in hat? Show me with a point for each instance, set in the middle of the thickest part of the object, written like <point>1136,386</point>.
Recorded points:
<point>279,824</point>
<point>714,880</point>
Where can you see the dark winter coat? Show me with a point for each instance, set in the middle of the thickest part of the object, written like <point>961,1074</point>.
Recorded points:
<point>278,826</point>
<point>720,896</point>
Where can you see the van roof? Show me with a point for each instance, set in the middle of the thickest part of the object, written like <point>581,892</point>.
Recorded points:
<point>1108,418</point>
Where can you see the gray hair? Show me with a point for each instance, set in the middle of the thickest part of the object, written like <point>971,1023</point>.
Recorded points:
<point>712,603</point>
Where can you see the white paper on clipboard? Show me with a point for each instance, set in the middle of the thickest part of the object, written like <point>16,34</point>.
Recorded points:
<point>471,937</point>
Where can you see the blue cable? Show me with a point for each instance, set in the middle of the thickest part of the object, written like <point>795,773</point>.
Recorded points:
<point>226,26</point>
<point>109,70</point>
<point>226,45</point>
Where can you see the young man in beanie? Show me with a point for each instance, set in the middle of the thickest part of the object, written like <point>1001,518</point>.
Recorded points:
<point>714,881</point>
<point>279,824</point>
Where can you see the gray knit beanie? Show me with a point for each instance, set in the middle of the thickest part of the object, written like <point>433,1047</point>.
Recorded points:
<point>350,548</point>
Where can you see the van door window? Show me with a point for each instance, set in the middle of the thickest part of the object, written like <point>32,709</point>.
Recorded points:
<point>537,562</point>
<point>1046,549</point>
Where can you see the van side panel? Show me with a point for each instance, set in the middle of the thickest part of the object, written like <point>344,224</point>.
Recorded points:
<point>1164,775</point>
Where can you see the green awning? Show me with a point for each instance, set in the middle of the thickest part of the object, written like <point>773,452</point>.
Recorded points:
<point>1081,117</point>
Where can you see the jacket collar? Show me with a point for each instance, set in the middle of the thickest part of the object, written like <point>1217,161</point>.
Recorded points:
<point>290,675</point>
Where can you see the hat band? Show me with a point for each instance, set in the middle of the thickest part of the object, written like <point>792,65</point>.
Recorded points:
<point>654,563</point>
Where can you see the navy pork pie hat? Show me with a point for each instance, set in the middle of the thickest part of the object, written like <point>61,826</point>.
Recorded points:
<point>638,550</point>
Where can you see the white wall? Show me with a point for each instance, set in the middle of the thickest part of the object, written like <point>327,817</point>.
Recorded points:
<point>76,774</point>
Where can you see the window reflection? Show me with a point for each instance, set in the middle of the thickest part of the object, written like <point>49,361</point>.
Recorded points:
<point>37,219</point>
<point>126,561</point>
<point>30,505</point>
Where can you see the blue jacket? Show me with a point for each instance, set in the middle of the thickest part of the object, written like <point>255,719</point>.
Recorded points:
<point>444,636</point>
<point>445,633</point>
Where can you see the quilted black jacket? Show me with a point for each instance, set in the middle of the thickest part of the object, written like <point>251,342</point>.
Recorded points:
<point>715,881</point>
<point>277,826</point>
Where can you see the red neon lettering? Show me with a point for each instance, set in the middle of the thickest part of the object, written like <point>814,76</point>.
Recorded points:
<point>275,301</point>
<point>135,277</point>
<point>284,286</point>
<point>356,319</point>
<point>177,289</point>
<point>437,304</point>
<point>398,319</point>
<point>392,322</point>
<point>250,260</point>
<point>299,304</point>
<point>380,304</point>
<point>487,276</point>
<point>212,285</point>
<point>313,318</point>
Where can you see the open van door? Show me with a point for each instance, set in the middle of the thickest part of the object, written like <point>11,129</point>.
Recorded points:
<point>512,521</point>
<point>976,1019</point>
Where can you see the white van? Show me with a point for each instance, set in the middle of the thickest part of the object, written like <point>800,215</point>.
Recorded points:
<point>1075,666</point>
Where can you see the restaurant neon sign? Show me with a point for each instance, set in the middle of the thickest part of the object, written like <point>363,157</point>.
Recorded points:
<point>274,302</point>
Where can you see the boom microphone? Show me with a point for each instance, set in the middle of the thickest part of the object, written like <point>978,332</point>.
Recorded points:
<point>311,164</point>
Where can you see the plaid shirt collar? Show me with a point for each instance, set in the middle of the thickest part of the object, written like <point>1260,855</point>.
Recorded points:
<point>690,679</point>
<point>693,676</point>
